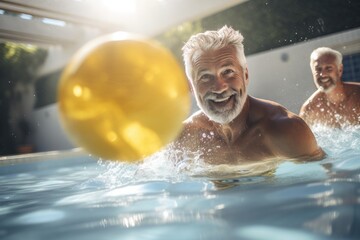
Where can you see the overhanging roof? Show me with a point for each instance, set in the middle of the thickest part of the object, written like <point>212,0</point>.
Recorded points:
<point>78,20</point>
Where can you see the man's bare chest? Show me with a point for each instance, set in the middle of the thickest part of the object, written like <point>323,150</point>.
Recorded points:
<point>337,113</point>
<point>250,146</point>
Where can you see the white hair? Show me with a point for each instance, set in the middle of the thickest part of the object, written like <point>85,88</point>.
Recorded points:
<point>321,51</point>
<point>212,40</point>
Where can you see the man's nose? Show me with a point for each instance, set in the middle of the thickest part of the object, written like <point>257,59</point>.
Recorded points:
<point>323,73</point>
<point>220,85</point>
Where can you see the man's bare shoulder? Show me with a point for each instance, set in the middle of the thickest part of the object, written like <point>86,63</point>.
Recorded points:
<point>197,122</point>
<point>197,119</point>
<point>193,129</point>
<point>263,108</point>
<point>311,104</point>
<point>267,110</point>
<point>352,84</point>
<point>293,138</point>
<point>288,121</point>
<point>287,133</point>
<point>353,88</point>
<point>316,97</point>
<point>276,119</point>
<point>277,115</point>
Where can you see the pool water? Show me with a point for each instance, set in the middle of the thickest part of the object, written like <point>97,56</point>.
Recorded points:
<point>71,195</point>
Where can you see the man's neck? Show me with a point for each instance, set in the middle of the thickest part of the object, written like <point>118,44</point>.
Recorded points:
<point>337,95</point>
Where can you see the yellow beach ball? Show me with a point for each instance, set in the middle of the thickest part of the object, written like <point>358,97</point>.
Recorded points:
<point>123,97</point>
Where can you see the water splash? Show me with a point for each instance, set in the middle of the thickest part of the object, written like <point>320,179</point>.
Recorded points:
<point>337,141</point>
<point>173,166</point>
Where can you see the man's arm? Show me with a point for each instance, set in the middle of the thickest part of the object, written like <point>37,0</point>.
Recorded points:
<point>305,113</point>
<point>293,138</point>
<point>187,139</point>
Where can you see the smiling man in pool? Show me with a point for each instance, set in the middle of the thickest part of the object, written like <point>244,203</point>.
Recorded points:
<point>233,127</point>
<point>335,103</point>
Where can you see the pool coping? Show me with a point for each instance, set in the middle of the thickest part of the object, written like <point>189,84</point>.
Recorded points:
<point>42,156</point>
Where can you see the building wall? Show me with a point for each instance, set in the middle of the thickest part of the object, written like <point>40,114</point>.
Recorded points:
<point>283,75</point>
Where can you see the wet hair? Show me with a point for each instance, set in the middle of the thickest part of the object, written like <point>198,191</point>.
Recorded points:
<point>212,40</point>
<point>321,51</point>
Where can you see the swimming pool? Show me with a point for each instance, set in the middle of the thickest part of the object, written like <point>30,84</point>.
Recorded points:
<point>71,195</point>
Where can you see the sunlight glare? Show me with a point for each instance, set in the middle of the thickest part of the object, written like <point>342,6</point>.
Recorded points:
<point>120,6</point>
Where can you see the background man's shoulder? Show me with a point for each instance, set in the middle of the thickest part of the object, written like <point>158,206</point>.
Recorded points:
<point>353,86</point>
<point>315,98</point>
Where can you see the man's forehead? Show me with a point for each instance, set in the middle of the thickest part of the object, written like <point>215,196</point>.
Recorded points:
<point>218,55</point>
<point>215,52</point>
<point>324,59</point>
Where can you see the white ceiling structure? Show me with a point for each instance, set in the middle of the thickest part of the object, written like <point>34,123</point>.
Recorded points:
<point>71,21</point>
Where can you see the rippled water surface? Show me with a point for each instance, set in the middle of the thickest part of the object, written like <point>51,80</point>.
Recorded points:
<point>74,196</point>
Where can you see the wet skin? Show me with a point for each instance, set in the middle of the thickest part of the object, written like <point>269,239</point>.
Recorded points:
<point>335,103</point>
<point>258,130</point>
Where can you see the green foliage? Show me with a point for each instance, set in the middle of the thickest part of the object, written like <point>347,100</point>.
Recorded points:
<point>18,63</point>
<point>269,24</point>
<point>175,38</point>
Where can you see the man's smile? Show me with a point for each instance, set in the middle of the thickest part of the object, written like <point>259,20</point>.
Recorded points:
<point>324,80</point>
<point>223,102</point>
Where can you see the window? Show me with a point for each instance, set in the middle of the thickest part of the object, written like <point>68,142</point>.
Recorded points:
<point>351,68</point>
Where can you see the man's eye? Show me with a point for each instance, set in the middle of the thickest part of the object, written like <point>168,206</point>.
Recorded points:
<point>205,78</point>
<point>329,69</point>
<point>228,71</point>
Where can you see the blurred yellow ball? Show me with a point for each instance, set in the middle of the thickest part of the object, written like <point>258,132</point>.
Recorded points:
<point>123,97</point>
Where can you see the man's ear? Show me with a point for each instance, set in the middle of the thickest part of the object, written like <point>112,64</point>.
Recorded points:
<point>246,77</point>
<point>341,69</point>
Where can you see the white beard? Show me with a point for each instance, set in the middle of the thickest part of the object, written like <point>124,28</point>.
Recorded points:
<point>329,88</point>
<point>226,116</point>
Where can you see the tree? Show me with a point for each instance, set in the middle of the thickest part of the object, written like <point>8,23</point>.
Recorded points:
<point>175,38</point>
<point>269,24</point>
<point>18,64</point>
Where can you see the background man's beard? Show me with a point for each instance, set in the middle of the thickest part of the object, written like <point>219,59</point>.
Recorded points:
<point>328,87</point>
<point>226,116</point>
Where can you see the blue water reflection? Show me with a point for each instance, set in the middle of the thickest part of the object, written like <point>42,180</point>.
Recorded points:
<point>81,197</point>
